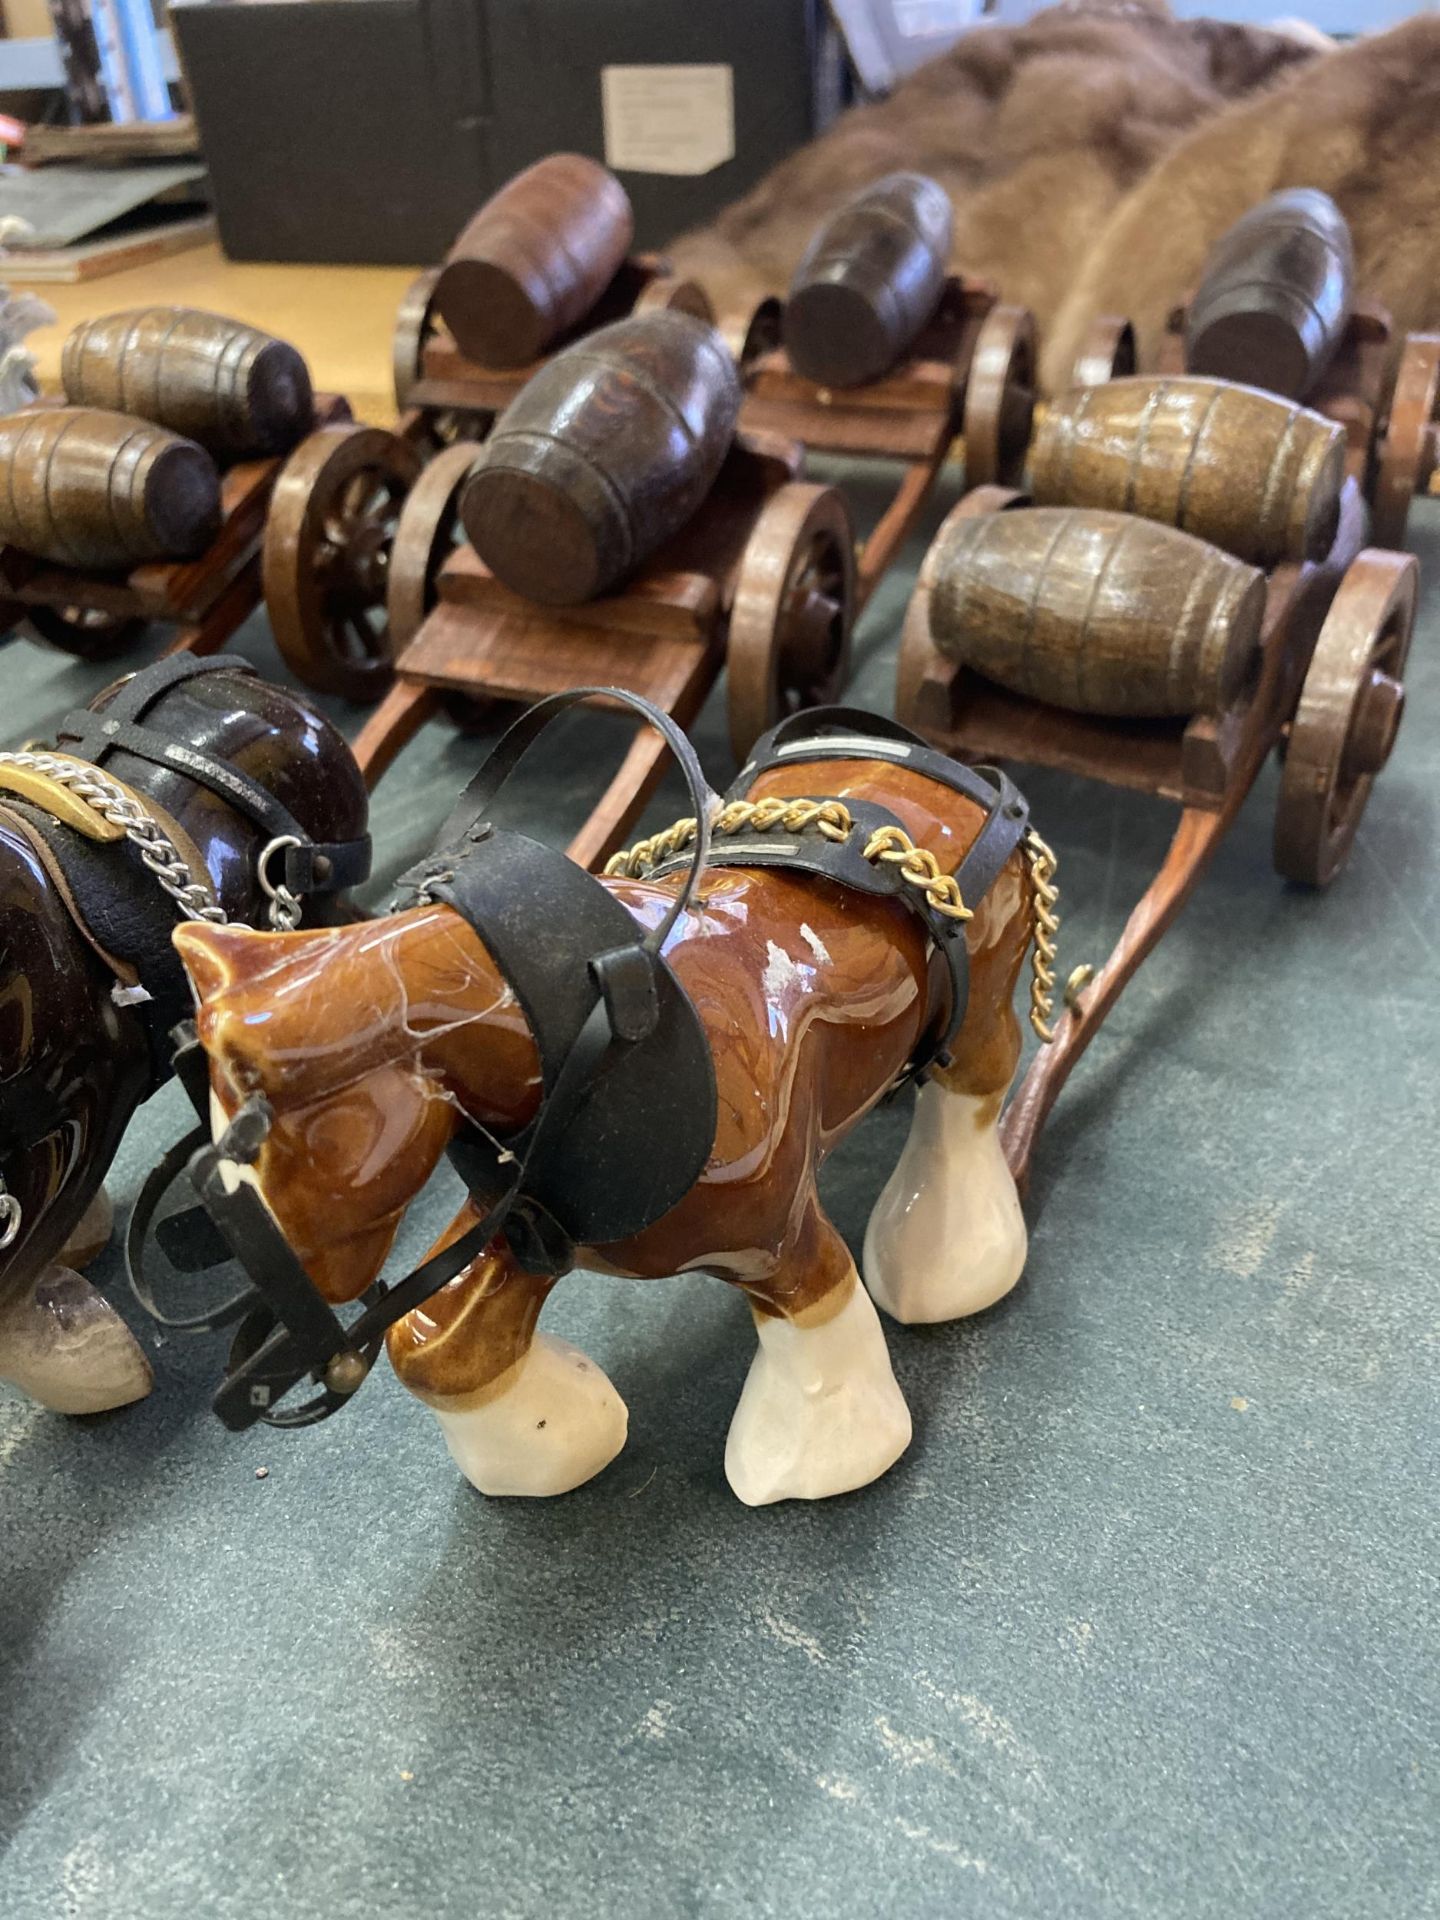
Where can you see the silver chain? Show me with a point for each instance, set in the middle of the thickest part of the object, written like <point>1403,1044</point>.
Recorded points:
<point>157,850</point>
<point>11,1216</point>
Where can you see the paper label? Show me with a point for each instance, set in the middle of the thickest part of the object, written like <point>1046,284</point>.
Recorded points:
<point>668,119</point>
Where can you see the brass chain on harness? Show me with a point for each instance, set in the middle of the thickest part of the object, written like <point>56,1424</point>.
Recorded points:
<point>1044,929</point>
<point>893,845</point>
<point>918,866</point>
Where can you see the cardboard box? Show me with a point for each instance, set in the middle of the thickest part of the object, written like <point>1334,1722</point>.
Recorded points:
<point>370,130</point>
<point>333,129</point>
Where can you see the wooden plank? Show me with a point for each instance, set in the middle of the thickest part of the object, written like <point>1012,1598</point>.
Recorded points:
<point>524,655</point>
<point>656,602</point>
<point>108,253</point>
<point>863,433</point>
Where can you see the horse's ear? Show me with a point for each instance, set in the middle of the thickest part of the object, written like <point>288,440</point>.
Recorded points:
<point>219,959</point>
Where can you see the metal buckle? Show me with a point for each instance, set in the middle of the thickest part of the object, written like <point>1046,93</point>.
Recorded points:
<point>285,906</point>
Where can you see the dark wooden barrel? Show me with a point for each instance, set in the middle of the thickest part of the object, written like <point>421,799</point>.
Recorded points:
<point>1258,475</point>
<point>869,281</point>
<point>103,490</point>
<point>534,260</point>
<point>231,388</point>
<point>1275,299</point>
<point>602,455</point>
<point>1096,612</point>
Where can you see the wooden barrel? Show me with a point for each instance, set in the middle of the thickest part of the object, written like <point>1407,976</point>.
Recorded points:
<point>534,260</point>
<point>1275,299</point>
<point>869,281</point>
<point>231,388</point>
<point>1258,475</point>
<point>103,490</point>
<point>1096,612</point>
<point>602,455</point>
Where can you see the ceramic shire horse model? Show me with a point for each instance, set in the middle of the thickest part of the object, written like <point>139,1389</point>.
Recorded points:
<point>641,1075</point>
<point>192,788</point>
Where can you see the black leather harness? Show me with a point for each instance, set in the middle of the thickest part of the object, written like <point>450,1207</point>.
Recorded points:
<point>830,733</point>
<point>625,1123</point>
<point>308,866</point>
<point>626,1119</point>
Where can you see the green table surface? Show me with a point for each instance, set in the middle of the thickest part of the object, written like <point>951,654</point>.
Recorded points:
<point>1143,1624</point>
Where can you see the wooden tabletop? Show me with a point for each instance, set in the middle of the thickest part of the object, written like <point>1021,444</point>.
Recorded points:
<point>339,317</point>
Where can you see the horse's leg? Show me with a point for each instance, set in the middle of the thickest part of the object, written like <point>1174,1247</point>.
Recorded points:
<point>947,1236</point>
<point>521,1412</point>
<point>91,1233</point>
<point>66,1346</point>
<point>820,1412</point>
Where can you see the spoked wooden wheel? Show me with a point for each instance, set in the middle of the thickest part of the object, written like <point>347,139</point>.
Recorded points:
<point>999,397</point>
<point>917,648</point>
<point>670,294</point>
<point>751,332</point>
<point>1412,439</point>
<point>328,541</point>
<point>86,632</point>
<point>1347,718</point>
<point>415,326</point>
<point>794,605</point>
<point>1108,352</point>
<point>427,534</point>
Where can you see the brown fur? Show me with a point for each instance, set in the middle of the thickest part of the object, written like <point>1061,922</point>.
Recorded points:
<point>1363,124</point>
<point>1036,131</point>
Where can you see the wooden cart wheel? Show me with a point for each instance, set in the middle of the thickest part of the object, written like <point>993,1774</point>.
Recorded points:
<point>1108,352</point>
<point>1348,715</point>
<point>1409,452</point>
<point>86,632</point>
<point>426,534</point>
<point>917,649</point>
<point>326,558</point>
<point>999,397</point>
<point>415,327</point>
<point>671,294</point>
<point>752,332</point>
<point>794,605</point>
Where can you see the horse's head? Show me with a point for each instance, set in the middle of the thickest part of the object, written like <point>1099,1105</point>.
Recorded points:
<point>367,1044</point>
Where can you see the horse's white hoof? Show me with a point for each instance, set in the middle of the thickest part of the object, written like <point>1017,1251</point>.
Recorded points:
<point>947,1236</point>
<point>66,1346</point>
<point>555,1422</point>
<point>820,1412</point>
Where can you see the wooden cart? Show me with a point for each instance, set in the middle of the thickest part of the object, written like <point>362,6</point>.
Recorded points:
<point>1328,694</point>
<point>364,519</point>
<point>1277,308</point>
<point>95,615</point>
<point>1392,424</point>
<point>763,578</point>
<point>971,372</point>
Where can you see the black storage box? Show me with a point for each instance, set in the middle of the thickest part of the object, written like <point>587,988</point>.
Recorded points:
<point>370,130</point>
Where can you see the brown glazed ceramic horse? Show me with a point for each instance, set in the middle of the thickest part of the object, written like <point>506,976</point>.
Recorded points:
<point>370,1041</point>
